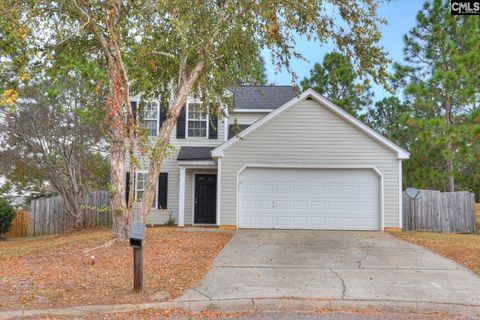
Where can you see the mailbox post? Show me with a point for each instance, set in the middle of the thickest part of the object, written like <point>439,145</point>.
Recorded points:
<point>137,240</point>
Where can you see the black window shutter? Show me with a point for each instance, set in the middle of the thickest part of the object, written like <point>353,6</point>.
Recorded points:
<point>181,125</point>
<point>133,104</point>
<point>162,190</point>
<point>213,129</point>
<point>127,187</point>
<point>163,113</point>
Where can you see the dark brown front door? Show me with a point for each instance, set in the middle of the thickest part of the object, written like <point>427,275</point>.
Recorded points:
<point>205,198</point>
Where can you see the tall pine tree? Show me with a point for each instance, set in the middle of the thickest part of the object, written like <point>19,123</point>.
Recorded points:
<point>441,78</point>
<point>337,80</point>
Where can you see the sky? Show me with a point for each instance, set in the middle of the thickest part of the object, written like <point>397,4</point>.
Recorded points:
<point>400,16</point>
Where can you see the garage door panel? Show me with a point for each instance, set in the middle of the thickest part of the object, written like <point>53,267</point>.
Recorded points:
<point>248,188</point>
<point>316,189</point>
<point>300,205</point>
<point>300,190</point>
<point>309,199</point>
<point>299,220</point>
<point>351,205</point>
<point>265,188</point>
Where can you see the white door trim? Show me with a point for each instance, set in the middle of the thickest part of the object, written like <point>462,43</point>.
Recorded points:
<point>299,166</point>
<point>181,197</point>
<point>219,189</point>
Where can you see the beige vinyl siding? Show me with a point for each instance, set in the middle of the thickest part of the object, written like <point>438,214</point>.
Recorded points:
<point>309,135</point>
<point>170,165</point>
<point>246,117</point>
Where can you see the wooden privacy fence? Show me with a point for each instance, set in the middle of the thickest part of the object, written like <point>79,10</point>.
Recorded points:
<point>49,215</point>
<point>477,207</point>
<point>448,212</point>
<point>20,225</point>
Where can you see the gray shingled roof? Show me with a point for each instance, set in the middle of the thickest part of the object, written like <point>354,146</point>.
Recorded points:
<point>261,97</point>
<point>232,130</point>
<point>195,153</point>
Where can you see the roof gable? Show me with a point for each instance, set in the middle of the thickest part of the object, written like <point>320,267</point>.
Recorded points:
<point>323,102</point>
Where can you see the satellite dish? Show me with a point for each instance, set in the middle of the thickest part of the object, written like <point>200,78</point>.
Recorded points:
<point>414,193</point>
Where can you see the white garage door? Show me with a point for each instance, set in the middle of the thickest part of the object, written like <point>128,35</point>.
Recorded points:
<point>274,198</point>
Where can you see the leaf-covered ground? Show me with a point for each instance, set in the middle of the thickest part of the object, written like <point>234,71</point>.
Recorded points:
<point>315,314</point>
<point>55,271</point>
<point>463,248</point>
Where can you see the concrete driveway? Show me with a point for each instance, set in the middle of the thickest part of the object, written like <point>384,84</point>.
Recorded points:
<point>367,266</point>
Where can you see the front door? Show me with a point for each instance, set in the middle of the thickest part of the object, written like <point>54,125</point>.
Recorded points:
<point>205,199</point>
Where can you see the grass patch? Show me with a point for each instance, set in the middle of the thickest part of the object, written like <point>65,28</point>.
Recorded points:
<point>463,248</point>
<point>19,247</point>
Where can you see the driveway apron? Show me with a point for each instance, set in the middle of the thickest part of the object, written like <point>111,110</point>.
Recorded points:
<point>336,265</point>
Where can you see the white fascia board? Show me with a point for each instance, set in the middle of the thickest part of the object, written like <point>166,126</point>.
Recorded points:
<point>310,93</point>
<point>197,163</point>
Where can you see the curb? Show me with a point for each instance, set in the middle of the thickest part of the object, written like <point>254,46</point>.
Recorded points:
<point>264,304</point>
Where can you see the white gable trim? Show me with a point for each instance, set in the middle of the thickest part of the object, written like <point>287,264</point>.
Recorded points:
<point>310,93</point>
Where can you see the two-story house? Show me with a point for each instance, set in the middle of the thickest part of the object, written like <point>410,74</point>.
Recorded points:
<point>299,162</point>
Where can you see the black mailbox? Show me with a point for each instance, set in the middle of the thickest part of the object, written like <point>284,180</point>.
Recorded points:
<point>137,235</point>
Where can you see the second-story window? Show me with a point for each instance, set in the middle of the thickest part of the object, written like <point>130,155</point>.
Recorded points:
<point>150,117</point>
<point>197,120</point>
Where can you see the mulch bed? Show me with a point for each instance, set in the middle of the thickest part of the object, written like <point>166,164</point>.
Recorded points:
<point>57,272</point>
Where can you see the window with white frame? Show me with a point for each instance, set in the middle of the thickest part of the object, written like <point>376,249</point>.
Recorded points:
<point>150,117</point>
<point>140,185</point>
<point>197,121</point>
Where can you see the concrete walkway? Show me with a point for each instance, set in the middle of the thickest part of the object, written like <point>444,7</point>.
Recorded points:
<point>252,305</point>
<point>340,266</point>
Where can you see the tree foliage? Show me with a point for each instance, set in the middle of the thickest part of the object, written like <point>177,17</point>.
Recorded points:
<point>7,214</point>
<point>442,84</point>
<point>337,80</point>
<point>174,49</point>
<point>15,51</point>
<point>52,140</point>
<point>388,117</point>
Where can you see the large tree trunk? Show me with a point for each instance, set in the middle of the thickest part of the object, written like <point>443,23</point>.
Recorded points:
<point>120,219</point>
<point>108,35</point>
<point>118,100</point>
<point>163,139</point>
<point>71,191</point>
<point>450,148</point>
<point>79,214</point>
<point>450,169</point>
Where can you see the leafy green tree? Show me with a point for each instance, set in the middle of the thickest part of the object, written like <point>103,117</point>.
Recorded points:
<point>441,78</point>
<point>14,51</point>
<point>53,139</point>
<point>7,214</point>
<point>388,117</point>
<point>337,80</point>
<point>174,49</point>
<point>259,74</point>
